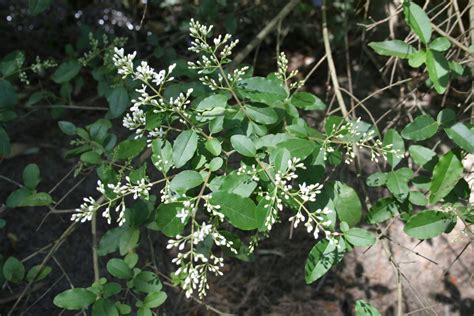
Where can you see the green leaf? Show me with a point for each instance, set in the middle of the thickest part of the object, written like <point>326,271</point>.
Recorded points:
<point>393,138</point>
<point>421,155</point>
<point>11,63</point>
<point>360,237</point>
<point>36,7</point>
<point>162,157</point>
<point>377,179</point>
<point>394,48</point>
<point>36,199</point>
<point>213,146</point>
<point>215,164</point>
<point>440,44</point>
<point>397,183</point>
<point>186,180</point>
<point>109,243</point>
<point>299,148</point>
<point>8,98</point>
<point>243,145</point>
<point>438,70</point>
<point>66,71</point>
<point>382,210</point>
<point>4,143</point>
<point>74,299</point>
<point>428,224</point>
<point>212,102</point>
<point>417,59</point>
<point>263,115</point>
<point>91,157</point>
<point>417,198</point>
<point>321,258</point>
<point>144,311</point>
<point>184,147</point>
<point>16,197</point>
<point>38,273</point>
<point>31,176</point>
<point>118,101</point>
<point>13,270</point>
<point>362,308</point>
<point>347,203</point>
<point>129,148</point>
<point>446,174</point>
<point>262,90</point>
<point>119,269</point>
<point>239,184</point>
<point>153,300</point>
<point>147,282</point>
<point>239,211</point>
<point>462,136</point>
<point>67,128</point>
<point>166,219</point>
<point>129,240</point>
<point>423,127</point>
<point>418,21</point>
<point>307,101</point>
<point>104,307</point>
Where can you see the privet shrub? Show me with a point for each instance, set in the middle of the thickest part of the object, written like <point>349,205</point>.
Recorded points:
<point>214,164</point>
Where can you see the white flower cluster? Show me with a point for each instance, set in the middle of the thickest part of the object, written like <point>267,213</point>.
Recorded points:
<point>315,222</point>
<point>348,135</point>
<point>153,80</point>
<point>85,211</point>
<point>194,266</point>
<point>282,73</point>
<point>213,56</point>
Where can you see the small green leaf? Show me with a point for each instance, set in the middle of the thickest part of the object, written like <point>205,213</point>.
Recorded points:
<point>438,70</point>
<point>104,307</point>
<point>377,179</point>
<point>38,273</point>
<point>417,59</point>
<point>428,224</point>
<point>66,71</point>
<point>243,145</point>
<point>118,101</point>
<point>184,147</point>
<point>418,21</point>
<point>423,127</point>
<point>67,128</point>
<point>462,136</point>
<point>153,300</point>
<point>397,183</point>
<point>440,44</point>
<point>394,48</point>
<point>8,98</point>
<point>213,146</point>
<point>215,164</point>
<point>31,176</point>
<point>129,148</point>
<point>36,199</point>
<point>446,174</point>
<point>362,308</point>
<point>91,157</point>
<point>147,282</point>
<point>417,198</point>
<point>239,211</point>
<point>166,219</point>
<point>360,237</point>
<point>307,101</point>
<point>262,90</point>
<point>13,270</point>
<point>186,180</point>
<point>382,210</point>
<point>347,203</point>
<point>298,148</point>
<point>109,243</point>
<point>321,258</point>
<point>264,115</point>
<point>421,155</point>
<point>119,269</point>
<point>74,299</point>
<point>395,140</point>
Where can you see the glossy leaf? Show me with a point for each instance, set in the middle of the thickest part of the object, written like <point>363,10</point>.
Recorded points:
<point>307,101</point>
<point>395,140</point>
<point>362,308</point>
<point>243,145</point>
<point>428,224</point>
<point>359,237</point>
<point>438,70</point>
<point>446,174</point>
<point>347,204</point>
<point>119,269</point>
<point>420,154</point>
<point>186,180</point>
<point>418,21</point>
<point>129,148</point>
<point>422,127</point>
<point>322,257</point>
<point>184,147</point>
<point>239,211</point>
<point>75,299</point>
<point>462,136</point>
<point>166,219</point>
<point>66,71</point>
<point>394,48</point>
